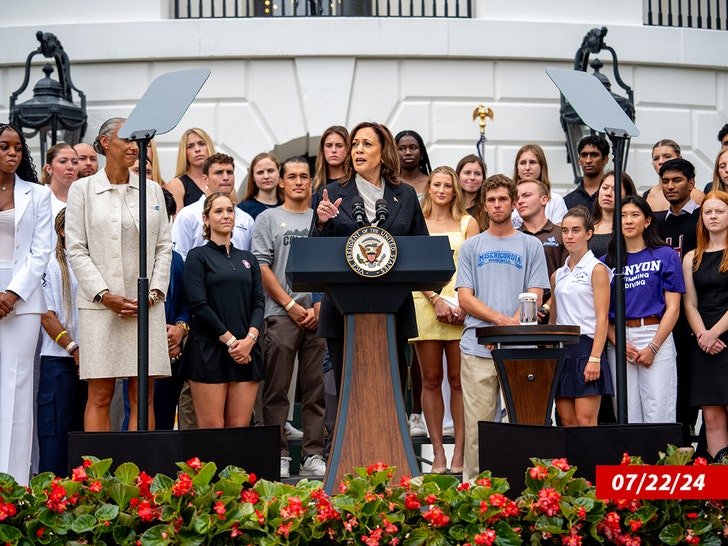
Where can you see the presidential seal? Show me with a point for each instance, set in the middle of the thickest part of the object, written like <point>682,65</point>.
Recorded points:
<point>371,251</point>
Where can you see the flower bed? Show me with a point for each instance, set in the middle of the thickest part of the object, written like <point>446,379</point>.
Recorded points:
<point>130,507</point>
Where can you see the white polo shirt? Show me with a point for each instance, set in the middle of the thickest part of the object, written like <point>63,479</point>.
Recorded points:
<point>575,295</point>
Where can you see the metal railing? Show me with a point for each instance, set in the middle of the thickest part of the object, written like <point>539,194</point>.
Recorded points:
<point>708,14</point>
<point>210,9</point>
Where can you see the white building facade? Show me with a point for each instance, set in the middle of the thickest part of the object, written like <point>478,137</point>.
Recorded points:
<point>281,79</point>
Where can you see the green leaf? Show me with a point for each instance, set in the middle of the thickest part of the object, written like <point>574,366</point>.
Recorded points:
<point>229,488</point>
<point>40,482</point>
<point>700,527</point>
<point>84,523</point>
<point>8,533</point>
<point>443,481</point>
<point>122,493</point>
<point>201,524</point>
<point>553,525</point>
<point>458,533</point>
<point>161,483</point>
<point>123,534</point>
<point>100,468</point>
<point>153,536</point>
<point>417,537</point>
<point>505,535</point>
<point>205,475</point>
<point>710,540</point>
<point>127,473</point>
<point>107,512</point>
<point>672,534</point>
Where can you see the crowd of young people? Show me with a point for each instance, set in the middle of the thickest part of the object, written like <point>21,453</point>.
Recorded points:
<point>236,339</point>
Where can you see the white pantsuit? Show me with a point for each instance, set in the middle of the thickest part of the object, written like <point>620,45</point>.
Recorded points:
<point>651,392</point>
<point>19,330</point>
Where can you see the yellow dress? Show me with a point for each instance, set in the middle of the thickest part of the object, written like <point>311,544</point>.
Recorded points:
<point>428,327</point>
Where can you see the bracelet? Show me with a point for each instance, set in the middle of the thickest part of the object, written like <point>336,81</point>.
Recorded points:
<point>230,341</point>
<point>182,324</point>
<point>289,305</point>
<point>59,336</point>
<point>154,297</point>
<point>653,347</point>
<point>72,347</point>
<point>251,334</point>
<point>433,299</point>
<point>595,359</point>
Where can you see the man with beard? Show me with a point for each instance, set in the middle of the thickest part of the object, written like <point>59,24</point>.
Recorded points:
<point>493,269</point>
<point>88,160</point>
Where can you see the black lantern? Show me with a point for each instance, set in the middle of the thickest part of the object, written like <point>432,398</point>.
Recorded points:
<point>574,128</point>
<point>51,109</point>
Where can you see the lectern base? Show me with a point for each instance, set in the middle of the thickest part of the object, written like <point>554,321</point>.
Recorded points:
<point>371,424</point>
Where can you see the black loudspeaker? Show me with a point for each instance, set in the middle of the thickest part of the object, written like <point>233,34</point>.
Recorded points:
<point>255,449</point>
<point>506,449</point>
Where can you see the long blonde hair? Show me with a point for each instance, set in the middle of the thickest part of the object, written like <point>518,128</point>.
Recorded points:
<point>457,208</point>
<point>704,236</point>
<point>182,165</point>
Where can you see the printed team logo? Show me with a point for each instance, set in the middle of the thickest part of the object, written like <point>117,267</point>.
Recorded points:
<point>246,263</point>
<point>371,251</point>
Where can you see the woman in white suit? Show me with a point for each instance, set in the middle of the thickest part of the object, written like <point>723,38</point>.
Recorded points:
<point>102,241</point>
<point>25,239</point>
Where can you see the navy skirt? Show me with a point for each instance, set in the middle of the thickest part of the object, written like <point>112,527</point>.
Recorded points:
<point>571,382</point>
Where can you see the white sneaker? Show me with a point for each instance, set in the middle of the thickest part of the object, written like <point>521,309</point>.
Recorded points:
<point>313,466</point>
<point>448,431</point>
<point>417,425</point>
<point>292,433</point>
<point>285,467</point>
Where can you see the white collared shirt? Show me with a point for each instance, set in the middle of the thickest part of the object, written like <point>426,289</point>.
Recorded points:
<point>187,228</point>
<point>688,208</point>
<point>575,295</point>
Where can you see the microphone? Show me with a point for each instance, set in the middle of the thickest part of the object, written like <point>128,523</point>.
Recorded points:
<point>381,211</point>
<point>358,212</point>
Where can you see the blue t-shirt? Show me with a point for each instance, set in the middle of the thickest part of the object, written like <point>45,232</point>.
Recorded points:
<point>254,207</point>
<point>498,269</point>
<point>648,274</point>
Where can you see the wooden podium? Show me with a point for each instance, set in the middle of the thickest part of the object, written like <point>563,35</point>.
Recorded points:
<point>371,423</point>
<point>528,360</point>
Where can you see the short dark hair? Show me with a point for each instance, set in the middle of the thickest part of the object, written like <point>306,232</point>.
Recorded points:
<point>723,132</point>
<point>221,158</point>
<point>295,159</point>
<point>599,142</point>
<point>679,164</point>
<point>170,203</point>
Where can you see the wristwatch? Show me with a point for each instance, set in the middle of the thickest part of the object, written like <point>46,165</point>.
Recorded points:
<point>98,297</point>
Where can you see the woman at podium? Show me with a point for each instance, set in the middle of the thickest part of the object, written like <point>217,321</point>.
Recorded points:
<point>371,168</point>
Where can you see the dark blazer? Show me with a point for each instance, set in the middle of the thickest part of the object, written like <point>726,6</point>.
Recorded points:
<point>405,218</point>
<point>175,305</point>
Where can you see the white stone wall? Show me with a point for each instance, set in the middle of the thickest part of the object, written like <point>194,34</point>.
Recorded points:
<point>275,81</point>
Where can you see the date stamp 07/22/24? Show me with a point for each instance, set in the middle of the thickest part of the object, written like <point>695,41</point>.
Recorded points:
<point>653,482</point>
